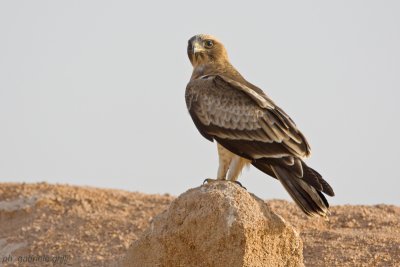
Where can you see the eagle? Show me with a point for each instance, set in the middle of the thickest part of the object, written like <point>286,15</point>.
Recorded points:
<point>248,127</point>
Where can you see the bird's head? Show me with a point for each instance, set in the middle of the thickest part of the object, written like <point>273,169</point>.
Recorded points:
<point>206,49</point>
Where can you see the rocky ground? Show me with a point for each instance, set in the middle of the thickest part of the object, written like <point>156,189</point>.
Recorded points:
<point>60,225</point>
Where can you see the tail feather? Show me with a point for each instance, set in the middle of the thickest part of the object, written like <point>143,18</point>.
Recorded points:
<point>315,179</point>
<point>306,196</point>
<point>306,191</point>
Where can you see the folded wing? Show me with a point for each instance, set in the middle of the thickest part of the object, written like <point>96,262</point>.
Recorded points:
<point>245,120</point>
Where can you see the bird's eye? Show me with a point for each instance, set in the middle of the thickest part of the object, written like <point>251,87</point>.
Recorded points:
<point>208,43</point>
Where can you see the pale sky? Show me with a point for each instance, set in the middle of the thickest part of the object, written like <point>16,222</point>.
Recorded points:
<point>92,92</point>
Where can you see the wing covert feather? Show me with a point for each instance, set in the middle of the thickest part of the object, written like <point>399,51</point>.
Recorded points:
<point>227,110</point>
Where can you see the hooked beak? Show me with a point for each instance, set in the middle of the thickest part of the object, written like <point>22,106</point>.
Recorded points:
<point>197,48</point>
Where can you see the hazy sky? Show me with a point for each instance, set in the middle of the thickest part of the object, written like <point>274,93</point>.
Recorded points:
<point>92,92</point>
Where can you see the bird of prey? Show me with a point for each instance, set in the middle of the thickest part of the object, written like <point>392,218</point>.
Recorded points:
<point>249,127</point>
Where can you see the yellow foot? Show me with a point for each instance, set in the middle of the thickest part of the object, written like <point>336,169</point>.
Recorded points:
<point>209,180</point>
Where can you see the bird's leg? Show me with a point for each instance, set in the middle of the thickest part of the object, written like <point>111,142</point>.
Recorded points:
<point>225,158</point>
<point>235,168</point>
<point>221,175</point>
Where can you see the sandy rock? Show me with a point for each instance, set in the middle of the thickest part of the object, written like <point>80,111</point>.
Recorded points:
<point>218,224</point>
<point>47,219</point>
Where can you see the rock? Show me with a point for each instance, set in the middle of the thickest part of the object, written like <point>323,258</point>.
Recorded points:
<point>217,224</point>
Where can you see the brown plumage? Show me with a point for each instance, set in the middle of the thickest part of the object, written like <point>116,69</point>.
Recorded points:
<point>249,127</point>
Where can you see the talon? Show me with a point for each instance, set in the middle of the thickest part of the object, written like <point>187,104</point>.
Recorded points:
<point>240,184</point>
<point>208,180</point>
